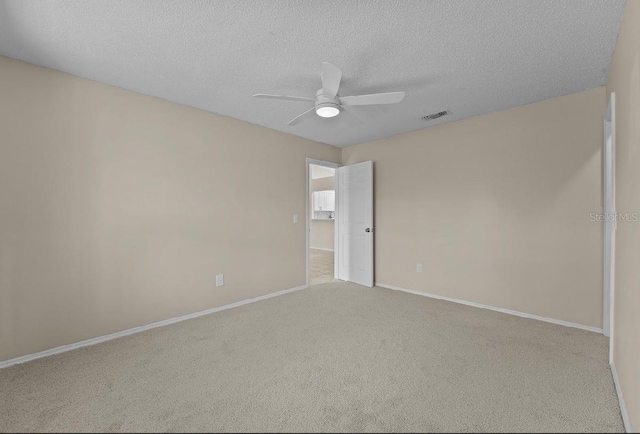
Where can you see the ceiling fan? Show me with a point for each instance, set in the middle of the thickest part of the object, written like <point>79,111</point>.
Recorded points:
<point>328,103</point>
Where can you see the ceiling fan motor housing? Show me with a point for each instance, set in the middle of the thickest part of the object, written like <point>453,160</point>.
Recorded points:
<point>323,101</point>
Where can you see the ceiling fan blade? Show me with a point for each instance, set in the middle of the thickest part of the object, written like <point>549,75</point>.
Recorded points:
<point>298,118</point>
<point>351,116</point>
<point>331,76</point>
<point>374,98</point>
<point>292,98</point>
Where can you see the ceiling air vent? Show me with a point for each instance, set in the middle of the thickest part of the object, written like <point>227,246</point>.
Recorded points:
<point>433,116</point>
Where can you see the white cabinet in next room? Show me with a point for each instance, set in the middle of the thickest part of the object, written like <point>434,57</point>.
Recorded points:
<point>324,200</point>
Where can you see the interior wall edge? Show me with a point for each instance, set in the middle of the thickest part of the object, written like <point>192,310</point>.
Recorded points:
<point>623,407</point>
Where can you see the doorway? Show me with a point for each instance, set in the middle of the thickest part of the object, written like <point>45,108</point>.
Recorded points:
<point>321,221</point>
<point>339,242</point>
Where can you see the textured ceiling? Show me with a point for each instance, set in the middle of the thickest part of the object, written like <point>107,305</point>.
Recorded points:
<point>468,56</point>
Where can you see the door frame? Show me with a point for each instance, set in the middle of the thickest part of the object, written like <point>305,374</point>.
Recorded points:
<point>335,166</point>
<point>609,131</point>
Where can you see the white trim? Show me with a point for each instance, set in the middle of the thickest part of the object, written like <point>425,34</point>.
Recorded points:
<point>623,407</point>
<point>86,343</point>
<point>497,309</point>
<point>321,248</point>
<point>336,228</point>
<point>323,163</point>
<point>609,262</point>
<point>307,187</point>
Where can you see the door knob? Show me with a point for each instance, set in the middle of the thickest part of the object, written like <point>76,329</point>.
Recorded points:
<point>367,230</point>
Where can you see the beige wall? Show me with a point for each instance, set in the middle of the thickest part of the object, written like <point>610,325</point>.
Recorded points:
<point>118,209</point>
<point>321,234</point>
<point>496,208</point>
<point>624,79</point>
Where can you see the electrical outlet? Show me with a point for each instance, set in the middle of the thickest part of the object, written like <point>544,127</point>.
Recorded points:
<point>295,218</point>
<point>418,268</point>
<point>220,280</point>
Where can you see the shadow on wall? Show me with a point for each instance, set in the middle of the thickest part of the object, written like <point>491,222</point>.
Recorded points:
<point>634,96</point>
<point>16,34</point>
<point>528,178</point>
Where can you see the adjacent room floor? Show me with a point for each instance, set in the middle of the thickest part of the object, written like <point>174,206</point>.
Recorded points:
<point>334,357</point>
<point>320,266</point>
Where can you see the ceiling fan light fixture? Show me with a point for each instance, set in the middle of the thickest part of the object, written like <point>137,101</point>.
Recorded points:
<point>327,111</point>
<point>327,100</point>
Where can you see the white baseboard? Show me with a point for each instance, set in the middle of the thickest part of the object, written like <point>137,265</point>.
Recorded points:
<point>497,309</point>
<point>321,248</point>
<point>623,407</point>
<point>93,341</point>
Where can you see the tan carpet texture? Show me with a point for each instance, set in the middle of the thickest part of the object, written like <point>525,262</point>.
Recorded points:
<point>320,266</point>
<point>333,357</point>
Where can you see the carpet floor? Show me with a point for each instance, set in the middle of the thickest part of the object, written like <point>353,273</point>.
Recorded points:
<point>320,266</point>
<point>333,357</point>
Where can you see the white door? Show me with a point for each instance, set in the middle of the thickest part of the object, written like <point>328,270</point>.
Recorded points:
<point>609,209</point>
<point>355,223</point>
